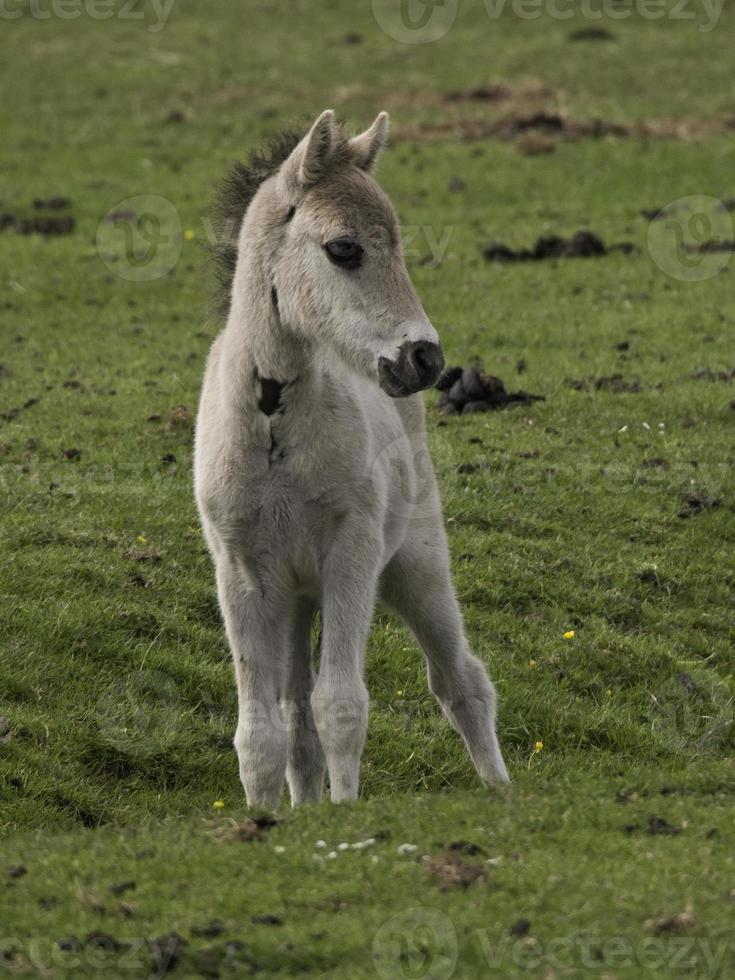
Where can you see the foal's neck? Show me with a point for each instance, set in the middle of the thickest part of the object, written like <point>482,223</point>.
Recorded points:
<point>257,344</point>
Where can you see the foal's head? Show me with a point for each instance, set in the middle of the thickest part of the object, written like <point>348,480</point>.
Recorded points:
<point>328,248</point>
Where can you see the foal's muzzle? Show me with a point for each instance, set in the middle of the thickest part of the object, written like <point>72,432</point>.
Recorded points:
<point>418,365</point>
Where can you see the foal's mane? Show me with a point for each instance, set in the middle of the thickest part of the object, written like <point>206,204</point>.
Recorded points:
<point>233,198</point>
<point>231,201</point>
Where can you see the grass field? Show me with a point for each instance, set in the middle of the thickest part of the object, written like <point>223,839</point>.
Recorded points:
<point>605,510</point>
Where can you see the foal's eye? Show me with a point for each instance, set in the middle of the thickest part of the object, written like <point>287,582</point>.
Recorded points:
<point>345,252</point>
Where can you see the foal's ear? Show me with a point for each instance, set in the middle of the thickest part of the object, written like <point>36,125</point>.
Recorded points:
<point>313,151</point>
<point>366,147</point>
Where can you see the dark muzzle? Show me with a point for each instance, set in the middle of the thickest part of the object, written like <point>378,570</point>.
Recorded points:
<point>418,365</point>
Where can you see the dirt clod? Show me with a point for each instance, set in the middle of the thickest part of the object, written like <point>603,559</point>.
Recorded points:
<point>591,34</point>
<point>466,847</point>
<point>582,244</point>
<point>659,826</point>
<point>696,503</point>
<point>452,872</point>
<point>166,951</point>
<point>17,871</point>
<point>267,919</point>
<point>122,887</point>
<point>213,929</point>
<point>520,928</point>
<point>671,923</point>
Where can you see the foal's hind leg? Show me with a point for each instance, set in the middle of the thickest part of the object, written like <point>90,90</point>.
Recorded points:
<point>257,631</point>
<point>417,584</point>
<point>306,763</point>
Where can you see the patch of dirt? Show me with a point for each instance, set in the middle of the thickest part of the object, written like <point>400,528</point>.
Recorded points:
<point>520,928</point>
<point>591,34</point>
<point>38,224</point>
<point>148,553</point>
<point>468,390</point>
<point>482,93</point>
<point>678,923</point>
<point>534,144</point>
<point>712,247</point>
<point>582,244</point>
<point>177,418</point>
<point>166,951</point>
<point>513,123</point>
<point>212,930</point>
<point>696,503</point>
<point>466,847</point>
<point>707,374</point>
<point>266,919</point>
<point>613,382</point>
<point>452,872</point>
<point>659,826</point>
<point>122,887</point>
<point>244,831</point>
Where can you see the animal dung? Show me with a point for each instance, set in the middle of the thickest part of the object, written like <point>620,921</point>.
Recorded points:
<point>467,390</point>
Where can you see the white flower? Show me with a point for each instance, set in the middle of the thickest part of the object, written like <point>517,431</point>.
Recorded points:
<point>279,849</point>
<point>321,843</point>
<point>332,854</point>
<point>623,428</point>
<point>362,844</point>
<point>343,847</point>
<point>406,848</point>
<point>646,426</point>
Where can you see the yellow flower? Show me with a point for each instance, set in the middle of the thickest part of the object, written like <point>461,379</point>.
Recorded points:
<point>142,539</point>
<point>188,235</point>
<point>399,694</point>
<point>531,663</point>
<point>538,746</point>
<point>218,805</point>
<point>569,635</point>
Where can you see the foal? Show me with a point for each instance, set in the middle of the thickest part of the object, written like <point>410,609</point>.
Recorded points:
<point>309,440</point>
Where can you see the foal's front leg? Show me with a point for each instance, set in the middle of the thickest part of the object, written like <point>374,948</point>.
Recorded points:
<point>340,698</point>
<point>257,631</point>
<point>306,764</point>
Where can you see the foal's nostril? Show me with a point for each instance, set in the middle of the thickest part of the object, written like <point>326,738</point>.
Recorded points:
<point>426,360</point>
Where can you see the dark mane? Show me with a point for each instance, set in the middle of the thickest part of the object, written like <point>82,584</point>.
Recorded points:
<point>230,204</point>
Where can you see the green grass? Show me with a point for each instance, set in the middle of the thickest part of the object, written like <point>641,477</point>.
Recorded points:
<point>115,678</point>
